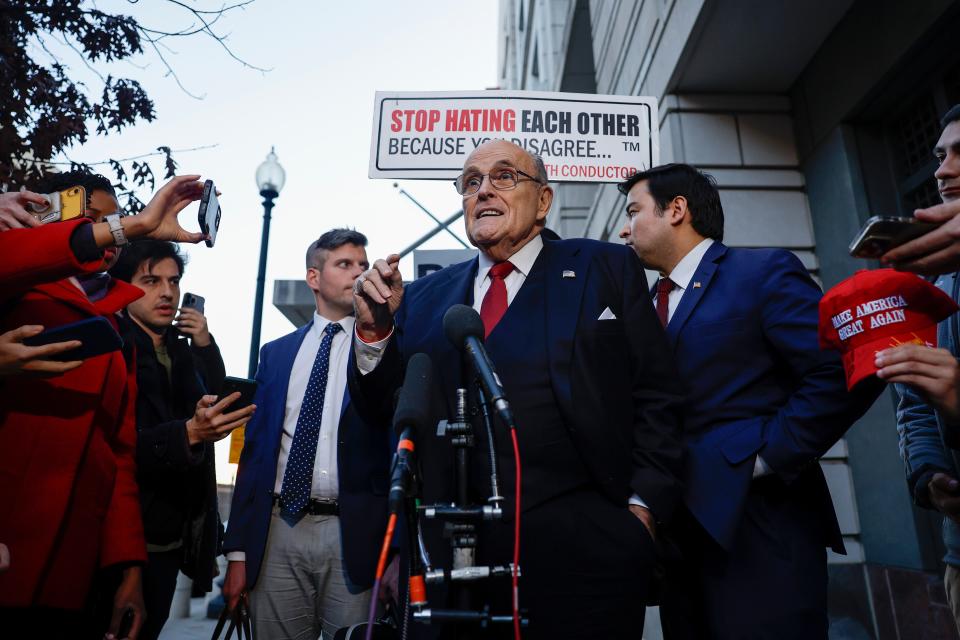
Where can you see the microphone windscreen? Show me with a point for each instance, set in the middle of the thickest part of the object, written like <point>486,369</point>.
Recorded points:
<point>461,322</point>
<point>414,404</point>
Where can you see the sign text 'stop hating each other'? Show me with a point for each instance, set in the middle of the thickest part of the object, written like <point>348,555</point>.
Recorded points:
<point>581,137</point>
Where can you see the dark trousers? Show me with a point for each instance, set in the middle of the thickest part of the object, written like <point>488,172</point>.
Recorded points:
<point>585,566</point>
<point>771,586</point>
<point>159,584</point>
<point>45,622</point>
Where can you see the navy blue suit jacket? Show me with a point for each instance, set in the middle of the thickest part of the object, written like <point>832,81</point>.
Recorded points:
<point>745,340</point>
<point>363,463</point>
<point>613,379</point>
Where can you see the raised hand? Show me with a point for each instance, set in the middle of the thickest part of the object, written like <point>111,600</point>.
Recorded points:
<point>376,297</point>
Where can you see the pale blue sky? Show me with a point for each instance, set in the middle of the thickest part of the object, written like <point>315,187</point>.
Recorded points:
<point>316,107</point>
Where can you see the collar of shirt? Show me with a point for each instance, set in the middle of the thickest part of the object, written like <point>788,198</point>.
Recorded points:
<point>522,260</point>
<point>683,272</point>
<point>320,324</point>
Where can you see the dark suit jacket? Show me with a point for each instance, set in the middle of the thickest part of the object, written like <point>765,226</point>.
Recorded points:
<point>613,380</point>
<point>178,483</point>
<point>363,463</point>
<point>745,340</point>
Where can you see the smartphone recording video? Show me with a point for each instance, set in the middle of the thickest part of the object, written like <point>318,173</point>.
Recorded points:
<point>209,214</point>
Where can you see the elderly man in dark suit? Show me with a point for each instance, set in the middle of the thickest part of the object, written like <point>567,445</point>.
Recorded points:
<point>586,367</point>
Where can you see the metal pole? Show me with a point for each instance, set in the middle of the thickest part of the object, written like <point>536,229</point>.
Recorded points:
<point>268,196</point>
<point>432,217</point>
<point>443,225</point>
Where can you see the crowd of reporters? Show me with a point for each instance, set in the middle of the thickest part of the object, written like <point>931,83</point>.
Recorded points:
<point>109,486</point>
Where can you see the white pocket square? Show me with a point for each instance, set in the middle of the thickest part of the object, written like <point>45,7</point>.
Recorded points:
<point>607,315</point>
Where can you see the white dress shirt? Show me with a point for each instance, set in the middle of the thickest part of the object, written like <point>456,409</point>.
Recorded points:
<point>683,273</point>
<point>325,465</point>
<point>368,354</point>
<point>681,276</point>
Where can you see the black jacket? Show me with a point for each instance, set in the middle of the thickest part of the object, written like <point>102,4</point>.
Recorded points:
<point>178,484</point>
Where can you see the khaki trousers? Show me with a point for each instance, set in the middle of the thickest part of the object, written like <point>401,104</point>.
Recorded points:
<point>302,588</point>
<point>951,582</point>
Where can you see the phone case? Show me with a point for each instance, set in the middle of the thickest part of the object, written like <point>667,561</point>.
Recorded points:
<point>209,213</point>
<point>246,387</point>
<point>97,336</point>
<point>882,233</point>
<point>193,301</point>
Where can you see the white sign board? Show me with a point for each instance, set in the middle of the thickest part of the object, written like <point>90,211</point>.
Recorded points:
<point>426,261</point>
<point>581,137</point>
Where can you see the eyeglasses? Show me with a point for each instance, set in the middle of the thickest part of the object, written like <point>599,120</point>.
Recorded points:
<point>503,179</point>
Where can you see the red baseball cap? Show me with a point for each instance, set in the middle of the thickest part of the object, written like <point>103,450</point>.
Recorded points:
<point>875,310</point>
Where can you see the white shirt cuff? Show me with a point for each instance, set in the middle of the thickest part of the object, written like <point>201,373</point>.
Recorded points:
<point>368,354</point>
<point>761,468</point>
<point>637,501</point>
<point>236,556</point>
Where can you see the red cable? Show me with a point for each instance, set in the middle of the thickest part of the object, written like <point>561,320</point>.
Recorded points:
<point>516,540</point>
<point>381,568</point>
<point>382,563</point>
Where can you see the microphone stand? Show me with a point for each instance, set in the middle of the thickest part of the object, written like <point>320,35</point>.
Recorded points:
<point>461,520</point>
<point>495,497</point>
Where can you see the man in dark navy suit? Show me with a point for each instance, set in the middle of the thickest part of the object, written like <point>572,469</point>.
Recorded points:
<point>765,403</point>
<point>587,370</point>
<point>309,507</point>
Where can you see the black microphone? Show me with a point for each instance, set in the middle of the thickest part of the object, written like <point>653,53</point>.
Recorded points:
<point>412,416</point>
<point>464,328</point>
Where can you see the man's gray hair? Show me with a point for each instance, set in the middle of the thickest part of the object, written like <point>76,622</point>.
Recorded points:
<point>541,168</point>
<point>333,239</point>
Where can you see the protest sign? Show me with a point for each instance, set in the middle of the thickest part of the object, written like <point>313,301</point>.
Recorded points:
<point>581,137</point>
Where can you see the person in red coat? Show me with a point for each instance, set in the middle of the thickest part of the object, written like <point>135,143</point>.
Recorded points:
<point>69,503</point>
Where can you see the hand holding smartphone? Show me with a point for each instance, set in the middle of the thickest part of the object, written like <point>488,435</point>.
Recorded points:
<point>62,205</point>
<point>216,417</point>
<point>880,234</point>
<point>96,335</point>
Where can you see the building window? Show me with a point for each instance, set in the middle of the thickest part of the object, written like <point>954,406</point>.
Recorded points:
<point>520,20</point>
<point>535,66</point>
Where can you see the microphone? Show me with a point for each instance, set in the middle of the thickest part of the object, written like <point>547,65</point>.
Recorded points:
<point>464,328</point>
<point>412,415</point>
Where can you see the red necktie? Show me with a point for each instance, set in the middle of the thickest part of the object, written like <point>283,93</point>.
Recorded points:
<point>664,287</point>
<point>494,303</point>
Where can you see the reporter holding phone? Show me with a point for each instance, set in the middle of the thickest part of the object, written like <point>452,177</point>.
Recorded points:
<point>927,379</point>
<point>67,485</point>
<point>179,374</point>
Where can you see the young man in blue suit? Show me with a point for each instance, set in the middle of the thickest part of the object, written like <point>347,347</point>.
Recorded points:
<point>309,507</point>
<point>586,368</point>
<point>764,404</point>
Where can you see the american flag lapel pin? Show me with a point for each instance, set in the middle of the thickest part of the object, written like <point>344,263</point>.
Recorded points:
<point>567,273</point>
<point>696,285</point>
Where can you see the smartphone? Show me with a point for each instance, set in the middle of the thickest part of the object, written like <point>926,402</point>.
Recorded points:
<point>245,386</point>
<point>882,233</point>
<point>193,301</point>
<point>126,624</point>
<point>209,214</point>
<point>97,336</point>
<point>62,205</point>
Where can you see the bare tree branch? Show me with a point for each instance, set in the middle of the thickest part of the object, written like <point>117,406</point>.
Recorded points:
<point>70,162</point>
<point>171,72</point>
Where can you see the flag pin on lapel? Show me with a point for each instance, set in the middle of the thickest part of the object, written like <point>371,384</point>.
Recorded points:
<point>696,285</point>
<point>569,274</point>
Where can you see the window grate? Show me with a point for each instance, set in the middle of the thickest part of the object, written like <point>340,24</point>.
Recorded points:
<point>926,195</point>
<point>916,135</point>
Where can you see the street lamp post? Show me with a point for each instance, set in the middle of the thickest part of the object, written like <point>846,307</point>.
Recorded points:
<point>270,179</point>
